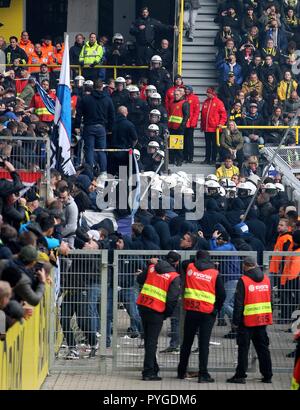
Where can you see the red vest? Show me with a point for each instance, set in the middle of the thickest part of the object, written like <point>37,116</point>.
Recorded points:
<point>176,115</point>
<point>200,289</point>
<point>257,309</point>
<point>155,290</point>
<point>40,109</point>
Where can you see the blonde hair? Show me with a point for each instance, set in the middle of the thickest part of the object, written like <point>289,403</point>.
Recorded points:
<point>5,290</point>
<point>253,159</point>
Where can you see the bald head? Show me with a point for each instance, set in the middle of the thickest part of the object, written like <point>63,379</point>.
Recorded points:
<point>123,110</point>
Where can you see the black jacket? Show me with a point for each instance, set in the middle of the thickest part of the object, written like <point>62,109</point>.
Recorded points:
<point>174,289</point>
<point>273,69</point>
<point>137,113</point>
<point>95,109</point>
<point>238,311</point>
<point>163,230</point>
<point>167,58</point>
<point>161,79</point>
<point>75,53</point>
<point>117,55</point>
<point>120,98</point>
<point>147,36</point>
<point>12,55</point>
<point>124,133</point>
<point>227,94</point>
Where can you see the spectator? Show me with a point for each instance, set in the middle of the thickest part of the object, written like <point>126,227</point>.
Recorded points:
<point>272,31</point>
<point>230,18</point>
<point>75,50</point>
<point>70,216</point>
<point>249,19</point>
<point>213,116</point>
<point>14,53</point>
<point>271,50</point>
<point>231,143</point>
<point>228,91</point>
<point>251,167</point>
<point>227,170</point>
<point>26,44</point>
<point>252,119</point>
<point>291,105</point>
<point>28,92</point>
<point>45,74</point>
<point>286,86</point>
<point>236,114</point>
<point>230,66</point>
<point>270,91</point>
<point>252,84</point>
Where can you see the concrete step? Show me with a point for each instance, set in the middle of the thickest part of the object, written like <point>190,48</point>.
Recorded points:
<point>195,74</point>
<point>194,65</point>
<point>191,57</point>
<point>200,49</point>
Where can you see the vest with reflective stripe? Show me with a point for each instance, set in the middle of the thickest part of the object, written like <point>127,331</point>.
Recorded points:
<point>176,115</point>
<point>257,309</point>
<point>155,290</point>
<point>296,376</point>
<point>200,289</point>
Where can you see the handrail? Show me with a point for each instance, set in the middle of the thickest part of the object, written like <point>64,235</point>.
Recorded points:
<point>260,127</point>
<point>180,42</point>
<point>80,67</point>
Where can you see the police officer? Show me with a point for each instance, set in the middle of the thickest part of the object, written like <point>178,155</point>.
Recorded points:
<point>144,29</point>
<point>120,96</point>
<point>204,296</point>
<point>159,76</point>
<point>116,54</point>
<point>137,109</point>
<point>156,302</point>
<point>156,104</point>
<point>251,315</point>
<point>91,55</point>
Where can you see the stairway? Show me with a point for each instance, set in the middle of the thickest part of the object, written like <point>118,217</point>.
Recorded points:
<point>199,69</point>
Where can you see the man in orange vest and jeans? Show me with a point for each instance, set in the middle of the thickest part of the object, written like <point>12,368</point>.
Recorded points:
<point>251,315</point>
<point>204,295</point>
<point>157,301</point>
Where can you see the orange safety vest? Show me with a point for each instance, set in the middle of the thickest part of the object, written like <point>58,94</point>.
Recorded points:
<point>291,269</point>
<point>35,59</point>
<point>176,115</point>
<point>155,290</point>
<point>27,47</point>
<point>40,109</point>
<point>257,309</point>
<point>284,243</point>
<point>58,58</point>
<point>200,289</point>
<point>48,50</point>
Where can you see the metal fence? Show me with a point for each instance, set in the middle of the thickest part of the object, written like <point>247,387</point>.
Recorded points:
<point>97,308</point>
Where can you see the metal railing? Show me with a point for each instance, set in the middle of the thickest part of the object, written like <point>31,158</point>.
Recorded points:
<point>180,36</point>
<point>80,68</point>
<point>261,127</point>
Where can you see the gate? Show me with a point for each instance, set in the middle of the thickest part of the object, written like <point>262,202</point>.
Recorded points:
<point>127,347</point>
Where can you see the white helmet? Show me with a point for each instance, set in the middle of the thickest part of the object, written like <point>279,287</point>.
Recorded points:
<point>280,187</point>
<point>154,128</point>
<point>187,191</point>
<point>151,88</point>
<point>155,112</point>
<point>156,59</point>
<point>227,183</point>
<point>211,177</point>
<point>255,179</point>
<point>270,189</point>
<point>118,36</point>
<point>120,80</point>
<point>156,96</point>
<point>222,191</point>
<point>169,181</point>
<point>212,187</point>
<point>89,83</point>
<point>153,144</point>
<point>137,154</point>
<point>160,153</point>
<point>133,89</point>
<point>245,189</point>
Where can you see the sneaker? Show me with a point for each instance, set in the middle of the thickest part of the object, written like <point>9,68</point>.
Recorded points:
<point>230,335</point>
<point>266,380</point>
<point>72,355</point>
<point>172,350</point>
<point>238,380</point>
<point>206,379</point>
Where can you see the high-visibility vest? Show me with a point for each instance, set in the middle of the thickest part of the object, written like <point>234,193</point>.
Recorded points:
<point>91,54</point>
<point>291,269</point>
<point>200,289</point>
<point>40,109</point>
<point>296,376</point>
<point>155,290</point>
<point>284,243</point>
<point>257,303</point>
<point>36,59</point>
<point>176,115</point>
<point>28,47</point>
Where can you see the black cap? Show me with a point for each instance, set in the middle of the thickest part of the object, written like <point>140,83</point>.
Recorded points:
<point>173,257</point>
<point>32,196</point>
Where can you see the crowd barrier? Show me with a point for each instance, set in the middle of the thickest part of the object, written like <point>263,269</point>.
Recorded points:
<point>262,127</point>
<point>25,352</point>
<point>96,305</point>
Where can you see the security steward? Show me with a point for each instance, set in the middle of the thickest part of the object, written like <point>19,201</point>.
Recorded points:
<point>251,315</point>
<point>157,301</point>
<point>179,117</point>
<point>159,76</point>
<point>91,55</point>
<point>203,297</point>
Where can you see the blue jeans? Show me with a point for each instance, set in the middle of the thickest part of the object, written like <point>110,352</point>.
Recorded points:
<point>174,342</point>
<point>129,297</point>
<point>230,287</point>
<point>94,137</point>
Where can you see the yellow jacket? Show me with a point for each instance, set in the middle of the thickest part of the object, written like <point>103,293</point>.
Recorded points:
<point>223,172</point>
<point>285,89</point>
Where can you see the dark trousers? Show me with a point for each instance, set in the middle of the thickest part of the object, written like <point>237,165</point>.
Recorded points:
<point>289,298</point>
<point>94,137</point>
<point>152,324</point>
<point>202,322</point>
<point>90,73</point>
<point>258,335</point>
<point>144,54</point>
<point>211,149</point>
<point>239,155</point>
<point>189,144</point>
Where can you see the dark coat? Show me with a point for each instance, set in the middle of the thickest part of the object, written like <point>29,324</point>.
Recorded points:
<point>75,53</point>
<point>163,230</point>
<point>124,133</point>
<point>211,218</point>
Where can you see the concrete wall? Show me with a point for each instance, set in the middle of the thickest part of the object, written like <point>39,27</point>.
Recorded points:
<point>82,17</point>
<point>124,15</point>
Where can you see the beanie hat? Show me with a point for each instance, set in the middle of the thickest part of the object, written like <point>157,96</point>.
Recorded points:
<point>211,90</point>
<point>190,88</point>
<point>28,254</point>
<point>250,261</point>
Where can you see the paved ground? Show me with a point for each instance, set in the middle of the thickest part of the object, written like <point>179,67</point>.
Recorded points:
<point>69,380</point>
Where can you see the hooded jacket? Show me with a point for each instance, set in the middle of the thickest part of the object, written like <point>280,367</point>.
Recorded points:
<point>163,230</point>
<point>238,312</point>
<point>95,109</point>
<point>212,217</point>
<point>174,289</point>
<point>213,114</point>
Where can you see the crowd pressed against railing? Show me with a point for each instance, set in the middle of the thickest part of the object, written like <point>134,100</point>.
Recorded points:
<point>257,66</point>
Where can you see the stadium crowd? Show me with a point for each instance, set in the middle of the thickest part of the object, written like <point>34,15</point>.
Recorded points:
<point>257,45</point>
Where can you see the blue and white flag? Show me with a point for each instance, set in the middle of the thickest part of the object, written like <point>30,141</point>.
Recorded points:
<point>48,101</point>
<point>137,199</point>
<point>63,117</point>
